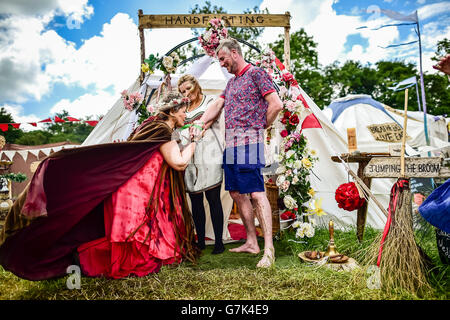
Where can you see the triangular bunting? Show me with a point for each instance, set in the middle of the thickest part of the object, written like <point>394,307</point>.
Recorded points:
<point>72,119</point>
<point>35,152</point>
<point>23,154</point>
<point>46,120</point>
<point>15,125</point>
<point>302,99</point>
<point>58,119</point>
<point>92,122</point>
<point>34,124</point>
<point>279,64</point>
<point>311,122</point>
<point>4,126</point>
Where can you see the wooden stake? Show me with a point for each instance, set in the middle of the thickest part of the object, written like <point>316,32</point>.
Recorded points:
<point>142,39</point>
<point>402,154</point>
<point>287,45</point>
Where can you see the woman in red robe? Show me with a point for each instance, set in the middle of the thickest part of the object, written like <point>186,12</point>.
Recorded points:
<point>115,209</point>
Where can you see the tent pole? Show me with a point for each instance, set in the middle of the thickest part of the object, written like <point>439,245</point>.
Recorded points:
<point>287,45</point>
<point>422,86</point>
<point>142,39</point>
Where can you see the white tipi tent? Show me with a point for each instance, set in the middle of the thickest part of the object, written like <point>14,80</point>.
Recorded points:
<point>361,111</point>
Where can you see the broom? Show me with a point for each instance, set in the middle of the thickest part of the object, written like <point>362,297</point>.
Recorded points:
<point>399,258</point>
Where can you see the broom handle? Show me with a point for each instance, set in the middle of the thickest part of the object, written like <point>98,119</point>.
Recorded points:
<point>402,154</point>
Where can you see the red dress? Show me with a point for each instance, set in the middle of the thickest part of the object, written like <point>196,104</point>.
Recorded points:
<point>123,252</point>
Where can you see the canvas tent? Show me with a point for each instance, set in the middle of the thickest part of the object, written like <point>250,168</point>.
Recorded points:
<point>372,119</point>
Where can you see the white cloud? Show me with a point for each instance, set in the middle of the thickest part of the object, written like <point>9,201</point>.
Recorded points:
<point>87,105</point>
<point>432,10</point>
<point>331,30</point>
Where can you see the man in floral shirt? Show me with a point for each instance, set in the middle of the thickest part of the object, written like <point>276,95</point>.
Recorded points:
<point>251,105</point>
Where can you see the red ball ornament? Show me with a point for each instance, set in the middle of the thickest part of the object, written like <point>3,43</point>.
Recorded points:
<point>347,197</point>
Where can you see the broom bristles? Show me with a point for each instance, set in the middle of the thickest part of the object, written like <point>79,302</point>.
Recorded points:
<point>402,265</point>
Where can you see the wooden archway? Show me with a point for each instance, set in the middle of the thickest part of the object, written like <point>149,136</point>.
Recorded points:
<point>147,21</point>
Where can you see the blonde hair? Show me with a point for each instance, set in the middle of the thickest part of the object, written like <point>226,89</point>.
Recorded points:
<point>191,79</point>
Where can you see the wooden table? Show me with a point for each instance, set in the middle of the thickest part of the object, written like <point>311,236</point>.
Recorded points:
<point>362,159</point>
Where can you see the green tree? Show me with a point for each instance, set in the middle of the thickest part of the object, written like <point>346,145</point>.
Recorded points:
<point>12,134</point>
<point>34,138</point>
<point>443,48</point>
<point>304,65</point>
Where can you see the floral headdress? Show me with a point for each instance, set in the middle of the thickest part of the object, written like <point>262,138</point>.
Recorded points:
<point>162,106</point>
<point>215,31</point>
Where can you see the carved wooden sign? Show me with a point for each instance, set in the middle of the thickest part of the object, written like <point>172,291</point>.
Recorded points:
<point>414,167</point>
<point>387,132</point>
<point>201,20</point>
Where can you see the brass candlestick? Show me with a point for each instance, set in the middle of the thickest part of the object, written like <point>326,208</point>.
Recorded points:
<point>331,249</point>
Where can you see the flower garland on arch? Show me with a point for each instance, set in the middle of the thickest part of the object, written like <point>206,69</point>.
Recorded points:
<point>296,159</point>
<point>215,31</point>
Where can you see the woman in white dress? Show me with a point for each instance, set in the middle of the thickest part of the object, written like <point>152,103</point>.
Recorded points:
<point>204,173</point>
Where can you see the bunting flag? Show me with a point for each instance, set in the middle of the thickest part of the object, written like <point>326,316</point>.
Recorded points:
<point>92,122</point>
<point>311,122</point>
<point>58,119</point>
<point>5,126</point>
<point>302,99</point>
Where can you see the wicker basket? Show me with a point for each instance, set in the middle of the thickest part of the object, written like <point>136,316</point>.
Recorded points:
<point>272,195</point>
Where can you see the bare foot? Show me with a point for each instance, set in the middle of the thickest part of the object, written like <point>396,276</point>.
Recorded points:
<point>246,248</point>
<point>267,260</point>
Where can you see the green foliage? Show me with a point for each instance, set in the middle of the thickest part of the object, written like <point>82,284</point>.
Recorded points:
<point>16,177</point>
<point>443,48</point>
<point>12,134</point>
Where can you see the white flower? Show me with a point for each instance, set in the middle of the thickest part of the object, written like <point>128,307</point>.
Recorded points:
<point>280,179</point>
<point>288,173</point>
<point>280,170</point>
<point>285,185</point>
<point>168,62</point>
<point>295,180</point>
<point>300,233</point>
<point>297,164</point>
<point>308,229</point>
<point>207,35</point>
<point>296,224</point>
<point>289,202</point>
<point>289,154</point>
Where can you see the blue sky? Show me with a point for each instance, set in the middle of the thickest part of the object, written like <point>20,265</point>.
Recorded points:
<point>79,55</point>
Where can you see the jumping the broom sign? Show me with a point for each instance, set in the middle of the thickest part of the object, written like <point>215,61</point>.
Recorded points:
<point>414,167</point>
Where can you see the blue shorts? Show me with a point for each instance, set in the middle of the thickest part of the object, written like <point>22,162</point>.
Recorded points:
<point>242,168</point>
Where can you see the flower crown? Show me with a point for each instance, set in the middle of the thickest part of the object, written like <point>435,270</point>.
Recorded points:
<point>169,105</point>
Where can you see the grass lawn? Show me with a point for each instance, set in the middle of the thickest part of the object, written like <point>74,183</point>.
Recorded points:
<point>233,276</point>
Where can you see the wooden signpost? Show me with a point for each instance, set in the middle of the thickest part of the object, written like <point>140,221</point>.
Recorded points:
<point>389,167</point>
